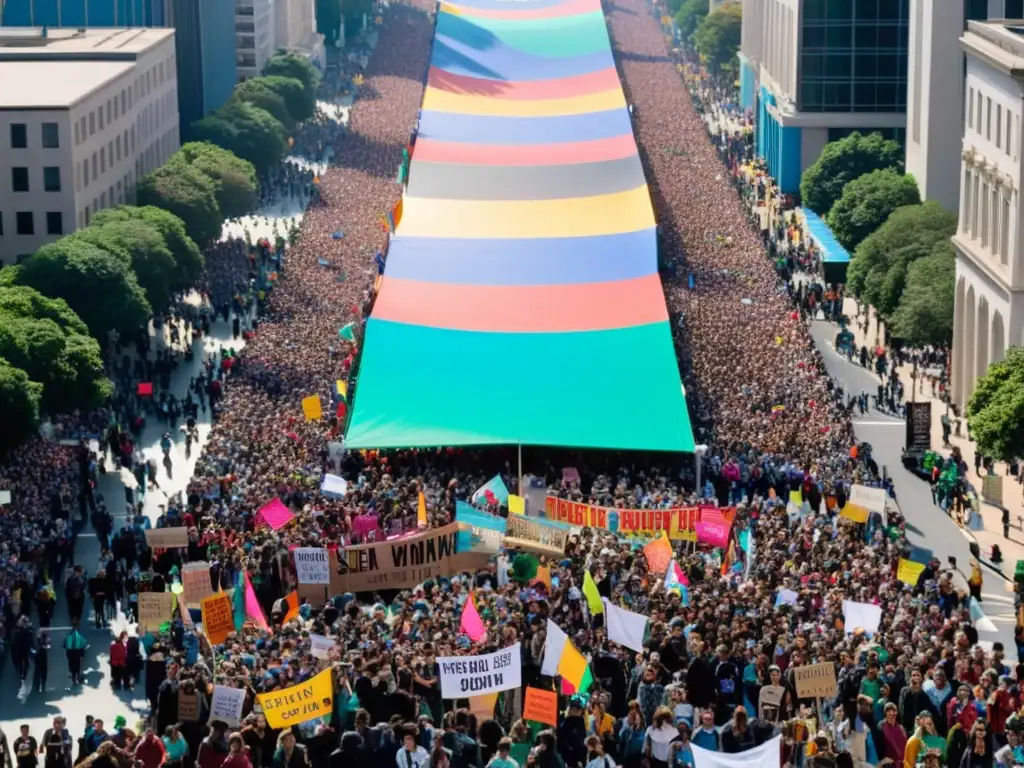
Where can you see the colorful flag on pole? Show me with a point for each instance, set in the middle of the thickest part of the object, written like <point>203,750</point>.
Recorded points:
<point>575,670</point>
<point>421,511</point>
<point>590,592</point>
<point>471,624</point>
<point>494,491</point>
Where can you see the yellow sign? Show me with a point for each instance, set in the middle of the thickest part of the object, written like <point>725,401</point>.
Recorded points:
<point>854,513</point>
<point>311,407</point>
<point>909,571</point>
<point>306,701</point>
<point>796,497</point>
<point>516,504</point>
<point>218,618</point>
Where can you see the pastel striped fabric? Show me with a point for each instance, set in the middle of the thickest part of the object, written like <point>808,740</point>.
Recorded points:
<point>521,301</point>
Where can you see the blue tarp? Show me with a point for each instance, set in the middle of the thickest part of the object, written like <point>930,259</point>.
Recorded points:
<point>831,251</point>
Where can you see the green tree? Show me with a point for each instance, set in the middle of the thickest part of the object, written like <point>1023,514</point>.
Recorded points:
<point>22,301</point>
<point>233,177</point>
<point>843,161</point>
<point>291,65</point>
<point>878,270</point>
<point>995,411</point>
<point>250,132</point>
<point>866,203</point>
<point>689,15</point>
<point>19,404</point>
<point>258,94</point>
<point>187,193</point>
<point>924,316</point>
<point>717,39</point>
<point>142,245</point>
<point>299,100</point>
<point>188,258</point>
<point>97,285</point>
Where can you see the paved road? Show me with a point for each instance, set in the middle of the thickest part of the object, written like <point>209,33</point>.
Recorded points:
<point>96,697</point>
<point>931,532</point>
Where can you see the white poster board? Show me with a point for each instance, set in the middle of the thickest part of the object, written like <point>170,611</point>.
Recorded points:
<point>226,704</point>
<point>321,646</point>
<point>312,565</point>
<point>465,676</point>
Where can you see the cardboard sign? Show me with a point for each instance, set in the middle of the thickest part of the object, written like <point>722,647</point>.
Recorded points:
<point>541,706</point>
<point>526,533</point>
<point>770,702</point>
<point>462,676</point>
<point>195,581</point>
<point>155,608</point>
<point>815,681</point>
<point>218,618</point>
<point>188,706</point>
<point>321,646</point>
<point>483,706</point>
<point>306,701</point>
<point>399,564</point>
<point>992,489</point>
<point>167,538</point>
<point>312,565</point>
<point>226,704</point>
<point>871,499</point>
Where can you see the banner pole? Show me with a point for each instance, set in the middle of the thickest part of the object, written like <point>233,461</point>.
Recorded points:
<point>520,491</point>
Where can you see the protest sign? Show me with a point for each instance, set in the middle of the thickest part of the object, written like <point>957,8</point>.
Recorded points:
<point>871,499</point>
<point>992,489</point>
<point>155,608</point>
<point>312,408</point>
<point>226,704</point>
<point>478,531</point>
<point>658,554</point>
<point>299,703</point>
<point>713,534</point>
<point>909,572</point>
<point>769,702</point>
<point>275,513</point>
<point>188,706</point>
<point>195,581</point>
<point>462,676</point>
<point>862,616</point>
<point>167,538</point>
<point>483,706</point>
<point>541,706</point>
<point>312,565</point>
<point>321,646</point>
<point>218,618</point>
<point>815,681</point>
<point>764,756</point>
<point>528,533</point>
<point>5,498</point>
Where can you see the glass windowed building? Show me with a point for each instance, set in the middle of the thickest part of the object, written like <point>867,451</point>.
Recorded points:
<point>813,71</point>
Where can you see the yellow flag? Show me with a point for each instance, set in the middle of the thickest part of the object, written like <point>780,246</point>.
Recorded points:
<point>796,497</point>
<point>854,513</point>
<point>590,592</point>
<point>311,407</point>
<point>516,504</point>
<point>909,571</point>
<point>421,511</point>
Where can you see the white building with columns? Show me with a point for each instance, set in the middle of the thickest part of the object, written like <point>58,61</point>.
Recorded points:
<point>989,314</point>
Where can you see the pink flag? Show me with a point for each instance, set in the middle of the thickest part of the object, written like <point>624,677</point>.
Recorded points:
<point>471,623</point>
<point>275,514</point>
<point>252,607</point>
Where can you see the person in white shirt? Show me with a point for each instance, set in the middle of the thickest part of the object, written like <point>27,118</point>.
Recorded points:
<point>411,755</point>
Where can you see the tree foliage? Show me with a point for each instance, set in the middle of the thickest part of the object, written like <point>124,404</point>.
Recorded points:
<point>299,100</point>
<point>995,411</point>
<point>97,285</point>
<point>187,193</point>
<point>19,404</point>
<point>257,93</point>
<point>866,203</point>
<point>234,178</point>
<point>843,161</point>
<point>924,316</point>
<point>142,246</point>
<point>250,132</point>
<point>717,39</point>
<point>689,14</point>
<point>285,64</point>
<point>878,270</point>
<point>187,256</point>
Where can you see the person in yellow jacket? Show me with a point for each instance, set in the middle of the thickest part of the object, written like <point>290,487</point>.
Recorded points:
<point>975,581</point>
<point>924,739</point>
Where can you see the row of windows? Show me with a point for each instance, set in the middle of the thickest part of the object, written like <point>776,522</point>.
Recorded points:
<point>854,10</point>
<point>122,145</point>
<point>986,214</point>
<point>989,120</point>
<point>25,223</point>
<point>49,136</point>
<point>20,179</point>
<point>875,65</point>
<point>863,37</point>
<point>853,97</point>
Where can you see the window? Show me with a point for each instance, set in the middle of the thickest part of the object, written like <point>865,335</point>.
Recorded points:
<point>54,223</point>
<point>117,148</point>
<point>19,179</point>
<point>103,161</point>
<point>979,113</point>
<point>124,101</point>
<point>24,223</point>
<point>970,108</point>
<point>999,126</point>
<point>102,121</point>
<point>78,136</point>
<point>988,118</point>
<point>108,110</point>
<point>984,214</point>
<point>1004,224</point>
<point>1,223</point>
<point>51,136</point>
<point>995,219</point>
<point>95,166</point>
<point>92,123</point>
<point>51,178</point>
<point>1009,130</point>
<point>19,136</point>
<point>974,208</point>
<point>965,218</point>
<point>85,172</point>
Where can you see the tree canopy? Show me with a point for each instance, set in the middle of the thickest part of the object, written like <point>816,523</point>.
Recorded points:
<point>187,193</point>
<point>19,403</point>
<point>250,132</point>
<point>878,270</point>
<point>995,411</point>
<point>187,256</point>
<point>924,316</point>
<point>257,93</point>
<point>843,161</point>
<point>299,100</point>
<point>284,64</point>
<point>866,203</point>
<point>142,245</point>
<point>717,39</point>
<point>688,15</point>
<point>98,286</point>
<point>234,178</point>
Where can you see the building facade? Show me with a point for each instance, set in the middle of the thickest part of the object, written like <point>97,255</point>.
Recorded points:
<point>989,309</point>
<point>83,116</point>
<point>254,36</point>
<point>295,31</point>
<point>814,71</point>
<point>207,66</point>
<point>76,14</point>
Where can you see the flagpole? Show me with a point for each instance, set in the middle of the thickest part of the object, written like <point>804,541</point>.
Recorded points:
<point>520,490</point>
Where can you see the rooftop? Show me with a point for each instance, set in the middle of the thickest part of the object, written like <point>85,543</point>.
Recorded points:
<point>54,84</point>
<point>1000,42</point>
<point>98,44</point>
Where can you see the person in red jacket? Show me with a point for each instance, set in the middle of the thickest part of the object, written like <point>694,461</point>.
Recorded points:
<point>150,751</point>
<point>119,661</point>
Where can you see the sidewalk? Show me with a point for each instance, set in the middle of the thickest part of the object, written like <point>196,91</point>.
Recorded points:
<point>991,531</point>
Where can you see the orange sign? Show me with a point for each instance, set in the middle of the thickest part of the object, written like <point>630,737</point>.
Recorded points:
<point>218,618</point>
<point>541,706</point>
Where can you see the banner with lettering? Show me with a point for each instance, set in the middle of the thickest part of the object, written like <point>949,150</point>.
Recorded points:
<point>541,535</point>
<point>680,523</point>
<point>299,703</point>
<point>465,676</point>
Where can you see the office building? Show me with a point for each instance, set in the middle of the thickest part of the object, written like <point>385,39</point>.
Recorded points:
<point>295,31</point>
<point>254,36</point>
<point>989,309</point>
<point>814,71</point>
<point>83,116</point>
<point>75,14</point>
<point>204,31</point>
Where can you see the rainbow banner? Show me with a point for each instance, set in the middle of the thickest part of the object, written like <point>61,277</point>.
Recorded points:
<point>526,239</point>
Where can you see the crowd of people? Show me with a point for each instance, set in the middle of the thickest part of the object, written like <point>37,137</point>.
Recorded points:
<point>749,616</point>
